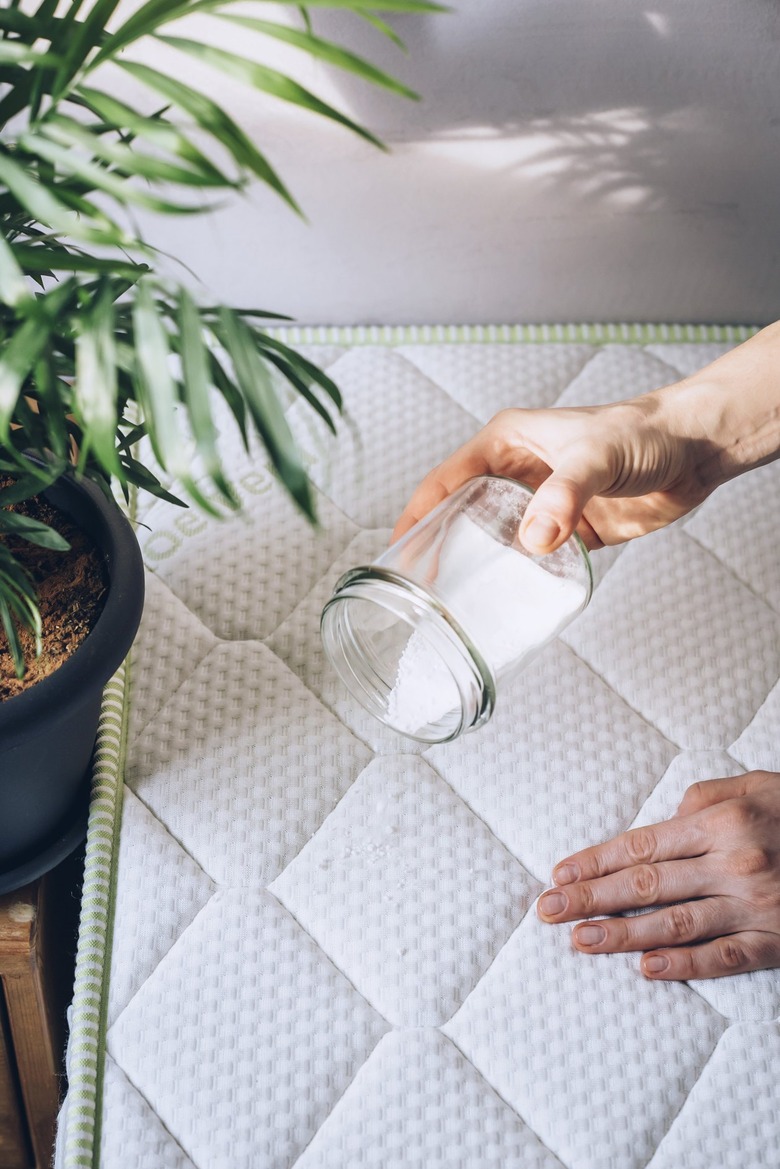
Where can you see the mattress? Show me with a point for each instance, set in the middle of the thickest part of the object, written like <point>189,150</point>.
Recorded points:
<point>308,941</point>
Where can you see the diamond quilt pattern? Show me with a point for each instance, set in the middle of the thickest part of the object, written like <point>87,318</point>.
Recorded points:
<point>136,1135</point>
<point>719,525</point>
<point>739,1085</point>
<point>407,891</point>
<point>517,775</point>
<point>616,372</point>
<point>633,636</point>
<point>598,1072</point>
<point>418,1102</point>
<point>265,1043</point>
<point>325,948</point>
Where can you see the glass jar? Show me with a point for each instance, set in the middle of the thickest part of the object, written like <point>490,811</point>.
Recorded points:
<point>425,635</point>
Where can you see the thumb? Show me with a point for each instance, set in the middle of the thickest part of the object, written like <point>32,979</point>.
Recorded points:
<point>557,506</point>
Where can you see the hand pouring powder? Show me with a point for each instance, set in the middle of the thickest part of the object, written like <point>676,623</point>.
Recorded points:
<point>426,635</point>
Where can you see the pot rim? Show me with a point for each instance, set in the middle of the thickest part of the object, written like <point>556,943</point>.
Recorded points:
<point>107,644</point>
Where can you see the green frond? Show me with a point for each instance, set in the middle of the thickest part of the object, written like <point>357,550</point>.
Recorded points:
<point>97,353</point>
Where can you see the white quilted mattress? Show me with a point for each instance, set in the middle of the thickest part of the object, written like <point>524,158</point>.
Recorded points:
<point>325,951</point>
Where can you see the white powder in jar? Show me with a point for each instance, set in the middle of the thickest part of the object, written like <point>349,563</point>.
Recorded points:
<point>506,603</point>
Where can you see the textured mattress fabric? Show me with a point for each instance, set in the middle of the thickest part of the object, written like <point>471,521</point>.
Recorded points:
<point>320,940</point>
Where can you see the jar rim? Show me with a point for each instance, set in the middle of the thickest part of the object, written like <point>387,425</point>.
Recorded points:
<point>352,586</point>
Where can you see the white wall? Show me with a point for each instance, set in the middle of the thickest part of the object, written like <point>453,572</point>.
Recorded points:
<point>570,160</point>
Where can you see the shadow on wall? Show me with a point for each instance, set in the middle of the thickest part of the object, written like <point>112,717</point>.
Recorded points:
<point>503,62</point>
<point>626,101</point>
<point>570,160</point>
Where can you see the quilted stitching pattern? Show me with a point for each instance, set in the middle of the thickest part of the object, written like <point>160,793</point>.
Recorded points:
<point>136,1135</point>
<point>742,1078</point>
<point>598,1072</point>
<point>407,891</point>
<point>715,619</point>
<point>453,1118</point>
<point>266,998</point>
<point>325,950</point>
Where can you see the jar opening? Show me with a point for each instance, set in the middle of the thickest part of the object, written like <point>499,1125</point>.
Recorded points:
<point>403,659</point>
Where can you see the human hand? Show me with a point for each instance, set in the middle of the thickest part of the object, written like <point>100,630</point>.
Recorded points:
<point>717,859</point>
<point>616,472</point>
<point>583,462</point>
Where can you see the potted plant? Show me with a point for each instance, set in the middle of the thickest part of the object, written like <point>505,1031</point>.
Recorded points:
<point>98,351</point>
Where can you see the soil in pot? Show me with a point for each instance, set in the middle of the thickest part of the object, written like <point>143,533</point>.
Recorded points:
<point>72,588</point>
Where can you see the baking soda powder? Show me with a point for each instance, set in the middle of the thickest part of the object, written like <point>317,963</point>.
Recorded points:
<point>505,602</point>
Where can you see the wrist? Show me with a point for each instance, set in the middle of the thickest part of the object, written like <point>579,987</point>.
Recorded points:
<point>728,414</point>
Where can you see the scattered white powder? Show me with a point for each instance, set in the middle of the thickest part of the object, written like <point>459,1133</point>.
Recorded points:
<point>424,689</point>
<point>505,602</point>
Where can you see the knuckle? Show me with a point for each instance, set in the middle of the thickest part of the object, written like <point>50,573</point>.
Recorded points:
<point>644,883</point>
<point>766,901</point>
<point>741,814</point>
<point>641,845</point>
<point>694,794</point>
<point>598,864</point>
<point>749,862</point>
<point>681,923</point>
<point>587,898</point>
<point>732,954</point>
<point>499,438</point>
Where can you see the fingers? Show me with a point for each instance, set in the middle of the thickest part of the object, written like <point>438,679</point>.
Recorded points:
<point>675,925</point>
<point>466,463</point>
<point>714,791</point>
<point>734,954</point>
<point>632,888</point>
<point>556,509</point>
<point>493,451</point>
<point>669,840</point>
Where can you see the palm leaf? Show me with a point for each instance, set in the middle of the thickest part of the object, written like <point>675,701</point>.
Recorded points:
<point>55,146</point>
<point>43,205</point>
<point>18,606</point>
<point>267,414</point>
<point>270,81</point>
<point>19,355</point>
<point>324,50</point>
<point>155,14</point>
<point>95,389</point>
<point>127,161</point>
<point>74,354</point>
<point>211,118</point>
<point>32,530</point>
<point>13,286</point>
<point>196,384</point>
<point>156,130</point>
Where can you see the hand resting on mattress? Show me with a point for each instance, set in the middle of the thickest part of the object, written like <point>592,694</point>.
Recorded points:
<point>718,858</point>
<point>613,473</point>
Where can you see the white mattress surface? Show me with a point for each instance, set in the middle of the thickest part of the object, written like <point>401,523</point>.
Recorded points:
<point>325,948</point>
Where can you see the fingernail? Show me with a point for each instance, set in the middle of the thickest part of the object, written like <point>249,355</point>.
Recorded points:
<point>552,904</point>
<point>541,531</point>
<point>566,873</point>
<point>656,964</point>
<point>590,935</point>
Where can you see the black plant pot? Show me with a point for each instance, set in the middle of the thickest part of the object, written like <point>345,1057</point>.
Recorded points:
<point>47,732</point>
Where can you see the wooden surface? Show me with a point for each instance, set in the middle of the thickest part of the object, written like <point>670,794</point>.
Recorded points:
<point>36,924</point>
<point>15,1151</point>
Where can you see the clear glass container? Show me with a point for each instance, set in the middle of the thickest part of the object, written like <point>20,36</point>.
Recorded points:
<point>425,636</point>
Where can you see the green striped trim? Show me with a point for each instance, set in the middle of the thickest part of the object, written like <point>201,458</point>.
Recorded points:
<point>509,334</point>
<point>87,1041</point>
<point>88,1025</point>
